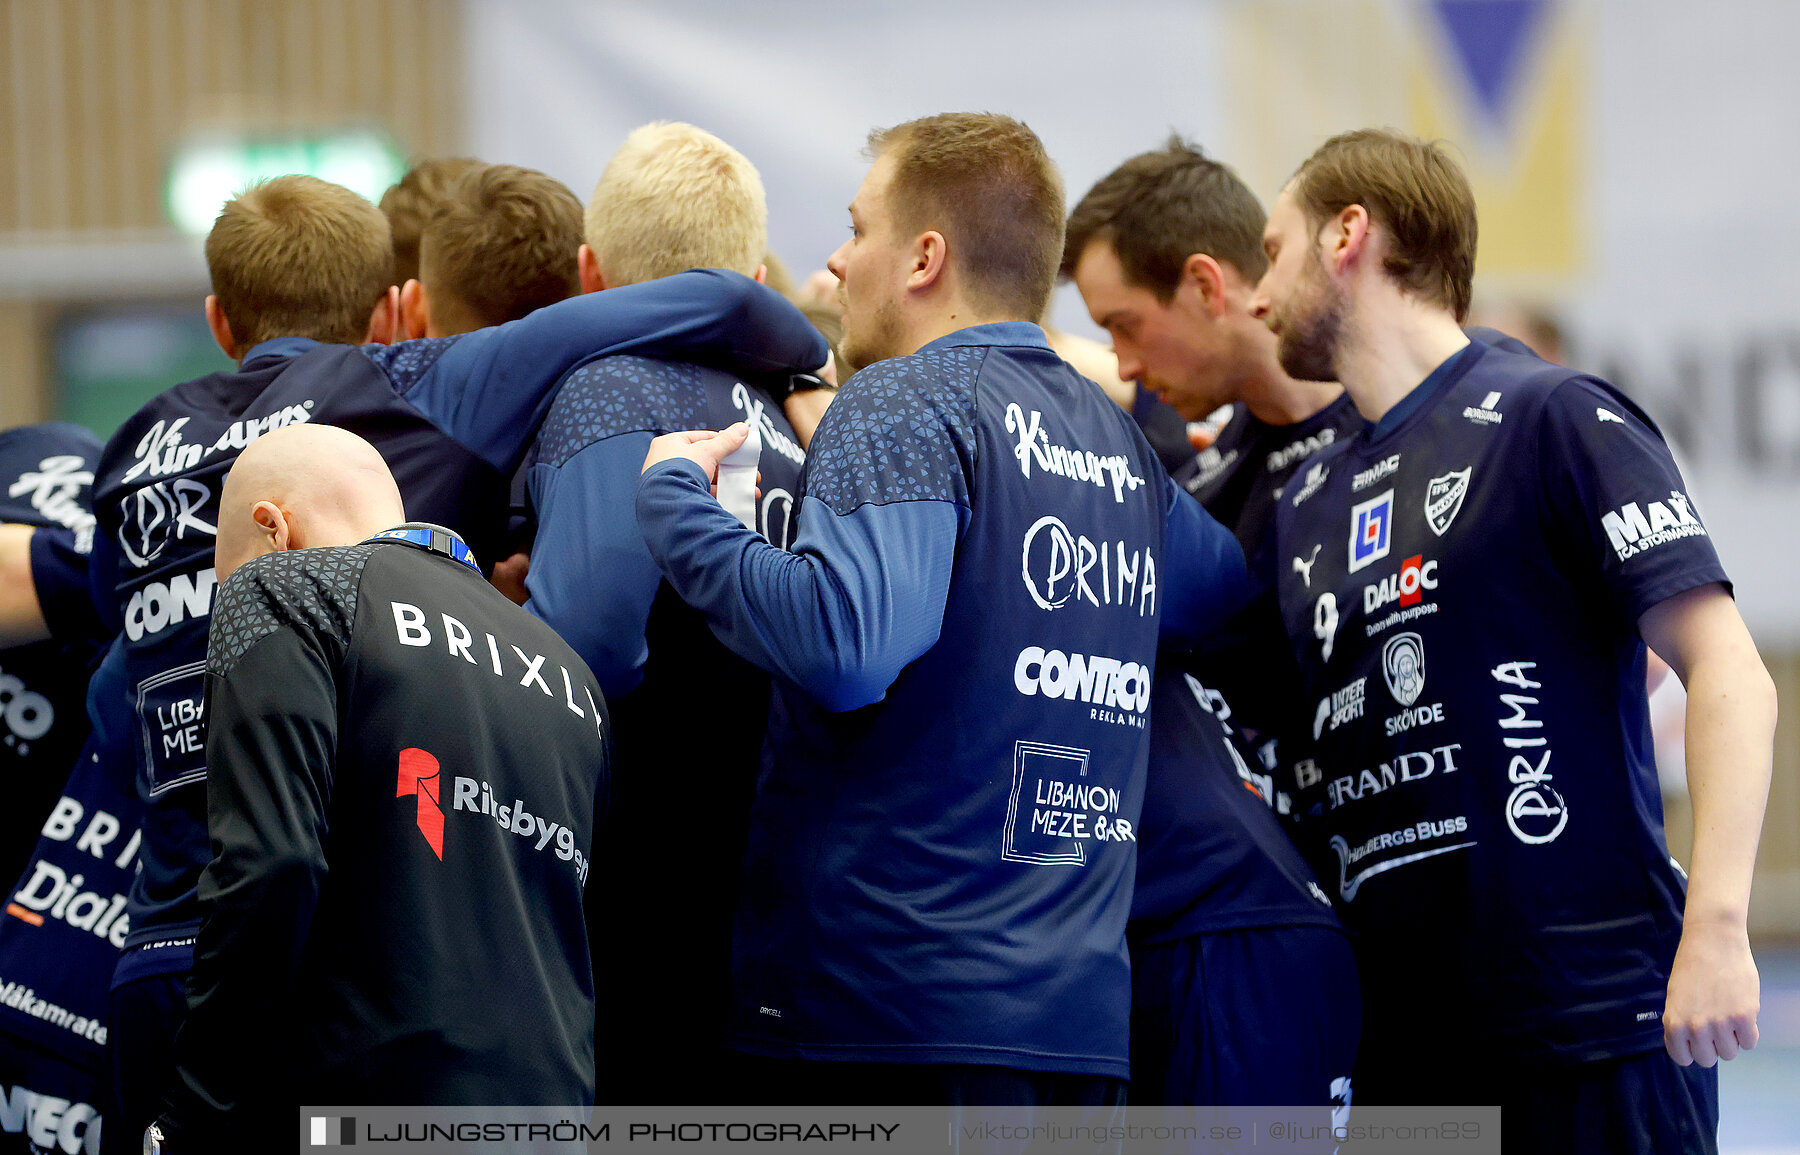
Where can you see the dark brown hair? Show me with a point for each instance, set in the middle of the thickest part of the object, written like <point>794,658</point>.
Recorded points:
<point>1159,208</point>
<point>1413,189</point>
<point>501,243</point>
<point>410,203</point>
<point>986,183</point>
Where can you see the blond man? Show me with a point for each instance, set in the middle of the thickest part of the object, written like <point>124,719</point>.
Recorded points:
<point>673,197</point>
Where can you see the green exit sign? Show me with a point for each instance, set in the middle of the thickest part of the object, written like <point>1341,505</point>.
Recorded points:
<point>207,173</point>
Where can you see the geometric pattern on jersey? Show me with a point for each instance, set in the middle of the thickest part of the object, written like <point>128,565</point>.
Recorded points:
<point>617,395</point>
<point>892,451</point>
<point>408,361</point>
<point>318,593</point>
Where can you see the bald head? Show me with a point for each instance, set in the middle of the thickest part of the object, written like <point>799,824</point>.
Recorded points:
<point>299,487</point>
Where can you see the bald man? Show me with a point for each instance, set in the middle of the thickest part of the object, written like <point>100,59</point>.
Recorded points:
<point>401,797</point>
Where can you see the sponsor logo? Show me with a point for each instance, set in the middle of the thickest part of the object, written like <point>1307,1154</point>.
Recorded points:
<point>1034,447</point>
<point>50,1122</point>
<point>159,605</point>
<point>1403,666</point>
<point>412,629</point>
<point>1419,832</point>
<point>1371,525</point>
<point>172,722</point>
<point>55,490</point>
<point>1304,568</point>
<point>154,515</point>
<point>28,714</point>
<point>1298,451</point>
<point>1340,706</point>
<point>478,797</point>
<point>1535,811</point>
<point>1633,530</point>
<point>1444,498</point>
<point>1118,691</point>
<point>163,450</point>
<point>1325,623</point>
<point>1382,469</point>
<point>419,777</point>
<point>1414,766</point>
<point>1485,414</point>
<point>1065,813</point>
<point>1406,587</point>
<point>1608,415</point>
<point>755,411</point>
<point>1058,565</point>
<point>1340,1086</point>
<point>1312,483</point>
<point>1212,464</point>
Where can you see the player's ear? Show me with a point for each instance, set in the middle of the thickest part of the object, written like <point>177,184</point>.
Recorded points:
<point>1202,275</point>
<point>415,310</point>
<point>931,255</point>
<point>220,325</point>
<point>587,270</point>
<point>384,319</point>
<point>276,531</point>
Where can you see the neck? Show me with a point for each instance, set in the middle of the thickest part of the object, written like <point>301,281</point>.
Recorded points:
<point>1274,398</point>
<point>1390,346</point>
<point>929,325</point>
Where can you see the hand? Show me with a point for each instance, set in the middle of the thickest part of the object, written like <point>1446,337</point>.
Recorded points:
<point>1714,994</point>
<point>703,447</point>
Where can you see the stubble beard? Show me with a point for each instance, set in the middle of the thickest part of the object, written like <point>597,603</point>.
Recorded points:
<point>1312,330</point>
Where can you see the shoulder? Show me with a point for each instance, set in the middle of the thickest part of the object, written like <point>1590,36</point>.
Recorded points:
<point>609,396</point>
<point>310,590</point>
<point>900,430</point>
<point>404,362</point>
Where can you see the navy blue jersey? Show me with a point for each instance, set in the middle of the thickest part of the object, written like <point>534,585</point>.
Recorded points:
<point>963,636</point>
<point>1211,854</point>
<point>46,475</point>
<point>1239,478</point>
<point>592,578</point>
<point>1467,628</point>
<point>452,416</point>
<point>65,918</point>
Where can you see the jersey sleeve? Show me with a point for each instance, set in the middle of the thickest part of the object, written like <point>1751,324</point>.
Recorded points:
<point>1208,578</point>
<point>864,590</point>
<point>592,578</point>
<point>59,573</point>
<point>490,389</point>
<point>272,661</point>
<point>1614,501</point>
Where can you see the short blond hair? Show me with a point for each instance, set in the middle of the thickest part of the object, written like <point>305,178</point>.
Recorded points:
<point>295,256</point>
<point>676,197</point>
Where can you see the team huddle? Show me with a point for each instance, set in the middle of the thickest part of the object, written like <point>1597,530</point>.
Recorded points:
<point>529,678</point>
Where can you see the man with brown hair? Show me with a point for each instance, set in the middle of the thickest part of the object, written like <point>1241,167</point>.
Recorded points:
<point>408,205</point>
<point>300,268</point>
<point>500,243</point>
<point>1166,250</point>
<point>940,852</point>
<point>1483,567</point>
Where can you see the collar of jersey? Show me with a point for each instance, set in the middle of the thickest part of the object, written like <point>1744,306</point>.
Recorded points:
<point>997,333</point>
<point>278,347</point>
<point>435,538</point>
<point>1448,372</point>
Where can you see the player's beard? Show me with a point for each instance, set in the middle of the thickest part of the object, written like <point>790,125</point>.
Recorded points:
<point>883,339</point>
<point>1311,327</point>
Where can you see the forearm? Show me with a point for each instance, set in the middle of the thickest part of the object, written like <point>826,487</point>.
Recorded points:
<point>21,615</point>
<point>1730,739</point>
<point>861,596</point>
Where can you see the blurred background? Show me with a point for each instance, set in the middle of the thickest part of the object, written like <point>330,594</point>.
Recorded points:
<point>1634,163</point>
